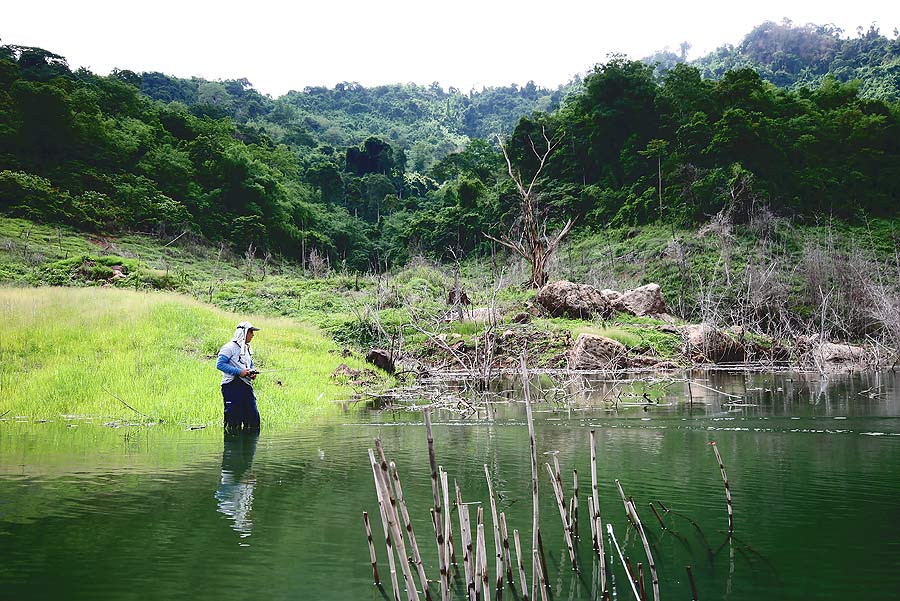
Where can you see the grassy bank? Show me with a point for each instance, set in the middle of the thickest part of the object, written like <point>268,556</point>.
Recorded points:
<point>66,352</point>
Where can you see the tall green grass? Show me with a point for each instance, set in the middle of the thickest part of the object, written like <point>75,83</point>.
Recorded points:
<point>71,351</point>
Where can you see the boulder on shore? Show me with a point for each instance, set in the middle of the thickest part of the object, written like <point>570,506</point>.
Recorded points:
<point>705,342</point>
<point>645,300</point>
<point>834,356</point>
<point>592,352</point>
<point>579,301</point>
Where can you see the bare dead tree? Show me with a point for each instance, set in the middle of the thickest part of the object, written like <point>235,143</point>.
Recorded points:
<point>528,238</point>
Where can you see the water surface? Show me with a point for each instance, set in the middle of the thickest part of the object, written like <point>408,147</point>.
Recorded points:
<point>93,512</point>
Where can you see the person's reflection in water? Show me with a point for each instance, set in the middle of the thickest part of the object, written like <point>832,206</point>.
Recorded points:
<point>235,492</point>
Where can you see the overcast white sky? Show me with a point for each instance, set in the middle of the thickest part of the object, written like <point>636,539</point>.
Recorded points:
<point>281,46</point>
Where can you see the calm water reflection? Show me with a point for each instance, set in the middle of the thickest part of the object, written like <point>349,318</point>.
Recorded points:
<point>89,512</point>
<point>235,492</point>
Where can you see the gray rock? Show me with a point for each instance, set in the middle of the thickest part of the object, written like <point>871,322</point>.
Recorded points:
<point>566,299</point>
<point>645,300</point>
<point>705,342</point>
<point>597,353</point>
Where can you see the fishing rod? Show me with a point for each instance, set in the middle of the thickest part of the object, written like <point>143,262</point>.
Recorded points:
<point>270,371</point>
<point>103,388</point>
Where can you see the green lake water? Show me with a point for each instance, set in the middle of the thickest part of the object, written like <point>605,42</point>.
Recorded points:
<point>94,512</point>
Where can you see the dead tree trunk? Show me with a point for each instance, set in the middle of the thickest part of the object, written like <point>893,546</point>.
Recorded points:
<point>528,238</point>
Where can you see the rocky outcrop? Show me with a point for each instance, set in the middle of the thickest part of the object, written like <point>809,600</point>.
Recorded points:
<point>592,352</point>
<point>566,299</point>
<point>646,300</point>
<point>704,342</point>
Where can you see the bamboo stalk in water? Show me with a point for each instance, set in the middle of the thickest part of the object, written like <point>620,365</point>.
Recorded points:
<point>394,522</point>
<point>535,525</point>
<point>542,582</point>
<point>506,555</point>
<point>727,487</point>
<point>485,586</point>
<point>658,517</point>
<point>498,545</point>
<point>567,531</point>
<point>640,527</point>
<point>593,524</point>
<point>417,557</point>
<point>464,536</point>
<point>641,581</point>
<point>448,542</point>
<point>479,536</point>
<point>693,585</point>
<point>522,579</point>
<point>596,521</point>
<point>574,512</point>
<point>437,521</point>
<point>371,549</point>
<point>389,534</point>
<point>612,537</point>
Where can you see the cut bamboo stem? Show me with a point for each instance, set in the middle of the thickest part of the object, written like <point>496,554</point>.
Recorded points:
<point>498,544</point>
<point>377,580</point>
<point>506,555</point>
<point>542,582</point>
<point>535,525</point>
<point>640,527</point>
<point>612,537</point>
<point>593,524</point>
<point>727,488</point>
<point>410,534</point>
<point>448,544</point>
<point>394,522</point>
<point>523,582</point>
<point>625,503</point>
<point>465,537</point>
<point>436,520</point>
<point>574,512</point>
<point>596,521</point>
<point>482,545</point>
<point>567,531</point>
<point>395,586</point>
<point>641,581</point>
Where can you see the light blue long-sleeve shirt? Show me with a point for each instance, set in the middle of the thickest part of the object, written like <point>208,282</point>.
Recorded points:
<point>231,362</point>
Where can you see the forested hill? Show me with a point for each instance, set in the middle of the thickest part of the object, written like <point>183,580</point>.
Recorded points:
<point>427,122</point>
<point>367,177</point>
<point>794,56</point>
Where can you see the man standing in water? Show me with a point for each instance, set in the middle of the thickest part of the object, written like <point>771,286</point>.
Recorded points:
<point>236,364</point>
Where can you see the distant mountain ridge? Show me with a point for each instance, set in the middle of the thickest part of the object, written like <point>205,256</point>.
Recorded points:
<point>793,56</point>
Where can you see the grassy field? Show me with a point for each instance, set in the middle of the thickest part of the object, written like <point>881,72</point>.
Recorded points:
<point>72,351</point>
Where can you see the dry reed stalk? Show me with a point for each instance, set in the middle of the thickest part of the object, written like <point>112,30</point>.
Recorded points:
<point>641,581</point>
<point>693,585</point>
<point>382,505</point>
<point>417,557</point>
<point>498,545</point>
<point>485,587</point>
<point>470,582</point>
<point>574,512</point>
<point>567,531</point>
<point>448,543</point>
<point>394,522</point>
<point>612,537</point>
<point>506,555</point>
<point>596,521</point>
<point>558,475</point>
<point>542,581</point>
<point>640,527</point>
<point>535,525</point>
<point>727,487</point>
<point>436,520</point>
<point>479,535</point>
<point>593,524</point>
<point>464,535</point>
<point>377,580</point>
<point>625,503</point>
<point>523,582</point>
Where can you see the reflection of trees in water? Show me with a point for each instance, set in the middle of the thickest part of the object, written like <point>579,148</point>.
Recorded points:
<point>234,495</point>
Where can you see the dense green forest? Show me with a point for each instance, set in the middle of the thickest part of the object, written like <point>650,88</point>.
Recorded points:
<point>368,177</point>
